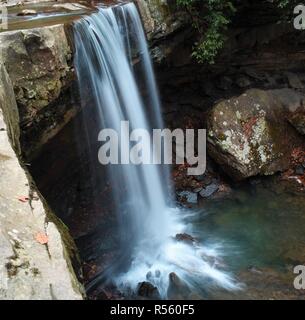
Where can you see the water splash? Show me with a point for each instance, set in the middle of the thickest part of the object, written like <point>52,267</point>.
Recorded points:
<point>106,43</point>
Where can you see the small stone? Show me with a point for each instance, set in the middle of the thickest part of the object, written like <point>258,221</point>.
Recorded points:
<point>191,197</point>
<point>209,190</point>
<point>27,12</point>
<point>299,170</point>
<point>147,290</point>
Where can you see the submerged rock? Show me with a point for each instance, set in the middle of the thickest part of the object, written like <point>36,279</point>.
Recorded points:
<point>249,135</point>
<point>184,237</point>
<point>147,290</point>
<point>177,288</point>
<point>299,170</point>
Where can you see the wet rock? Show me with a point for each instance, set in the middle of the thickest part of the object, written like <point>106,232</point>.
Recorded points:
<point>189,197</point>
<point>205,179</point>
<point>27,12</point>
<point>147,290</point>
<point>197,190</point>
<point>103,295</point>
<point>177,289</point>
<point>184,237</point>
<point>209,190</point>
<point>243,82</point>
<point>299,170</point>
<point>249,135</point>
<point>223,191</point>
<point>255,270</point>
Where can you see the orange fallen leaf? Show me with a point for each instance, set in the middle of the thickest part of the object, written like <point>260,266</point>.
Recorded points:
<point>41,238</point>
<point>23,198</point>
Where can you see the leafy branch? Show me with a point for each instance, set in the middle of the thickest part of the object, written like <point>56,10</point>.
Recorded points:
<point>211,19</point>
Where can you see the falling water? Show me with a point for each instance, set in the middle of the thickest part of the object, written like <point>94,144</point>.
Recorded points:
<point>106,43</point>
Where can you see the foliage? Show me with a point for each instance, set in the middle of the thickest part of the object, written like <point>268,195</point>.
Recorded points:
<point>211,19</point>
<point>211,25</point>
<point>283,3</point>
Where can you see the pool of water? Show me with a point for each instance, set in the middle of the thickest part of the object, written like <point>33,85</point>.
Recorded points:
<point>261,234</point>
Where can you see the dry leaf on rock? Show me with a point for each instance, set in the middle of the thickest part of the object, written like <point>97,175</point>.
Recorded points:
<point>41,238</point>
<point>23,199</point>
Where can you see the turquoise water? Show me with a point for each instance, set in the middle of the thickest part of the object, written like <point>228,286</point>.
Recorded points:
<point>261,234</point>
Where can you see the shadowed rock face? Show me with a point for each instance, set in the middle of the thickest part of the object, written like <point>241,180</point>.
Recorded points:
<point>249,135</point>
<point>160,18</point>
<point>294,105</point>
<point>164,24</point>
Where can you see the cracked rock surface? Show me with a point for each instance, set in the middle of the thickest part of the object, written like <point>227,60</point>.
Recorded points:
<point>29,268</point>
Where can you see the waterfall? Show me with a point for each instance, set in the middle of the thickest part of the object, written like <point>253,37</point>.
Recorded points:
<point>105,44</point>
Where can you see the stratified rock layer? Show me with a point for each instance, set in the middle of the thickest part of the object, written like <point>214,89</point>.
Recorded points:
<point>38,63</point>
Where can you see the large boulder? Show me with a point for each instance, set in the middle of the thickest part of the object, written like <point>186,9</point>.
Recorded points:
<point>37,61</point>
<point>249,135</point>
<point>178,289</point>
<point>39,65</point>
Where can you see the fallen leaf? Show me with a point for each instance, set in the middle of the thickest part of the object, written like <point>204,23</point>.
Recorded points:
<point>41,238</point>
<point>23,198</point>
